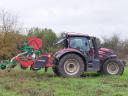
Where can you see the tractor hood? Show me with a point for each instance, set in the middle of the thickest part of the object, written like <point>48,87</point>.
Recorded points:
<point>105,53</point>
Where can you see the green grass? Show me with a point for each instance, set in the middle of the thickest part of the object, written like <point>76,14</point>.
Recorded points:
<point>29,83</point>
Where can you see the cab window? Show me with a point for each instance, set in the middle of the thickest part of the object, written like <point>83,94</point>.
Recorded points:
<point>80,43</point>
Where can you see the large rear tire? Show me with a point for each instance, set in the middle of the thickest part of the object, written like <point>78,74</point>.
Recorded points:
<point>71,65</point>
<point>113,67</point>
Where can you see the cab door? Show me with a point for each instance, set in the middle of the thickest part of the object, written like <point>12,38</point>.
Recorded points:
<point>93,56</point>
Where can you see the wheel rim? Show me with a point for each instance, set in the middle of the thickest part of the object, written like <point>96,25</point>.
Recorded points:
<point>113,68</point>
<point>71,66</point>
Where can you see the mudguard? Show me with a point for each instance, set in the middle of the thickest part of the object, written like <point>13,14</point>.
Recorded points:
<point>62,52</point>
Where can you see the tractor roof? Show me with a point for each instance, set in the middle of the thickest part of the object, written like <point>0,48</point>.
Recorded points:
<point>68,34</point>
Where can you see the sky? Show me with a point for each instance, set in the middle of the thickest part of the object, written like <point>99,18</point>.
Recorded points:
<point>100,18</point>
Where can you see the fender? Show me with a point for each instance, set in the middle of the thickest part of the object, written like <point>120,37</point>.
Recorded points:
<point>59,54</point>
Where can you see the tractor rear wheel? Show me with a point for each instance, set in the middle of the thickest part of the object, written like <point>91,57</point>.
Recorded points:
<point>113,67</point>
<point>71,65</point>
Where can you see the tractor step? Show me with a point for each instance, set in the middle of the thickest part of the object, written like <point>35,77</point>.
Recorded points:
<point>90,67</point>
<point>94,65</point>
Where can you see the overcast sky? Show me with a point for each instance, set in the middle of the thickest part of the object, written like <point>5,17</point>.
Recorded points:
<point>95,17</point>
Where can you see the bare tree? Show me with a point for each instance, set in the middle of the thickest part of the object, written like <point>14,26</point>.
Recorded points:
<point>114,42</point>
<point>8,22</point>
<point>9,36</point>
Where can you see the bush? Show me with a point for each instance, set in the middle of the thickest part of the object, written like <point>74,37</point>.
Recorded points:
<point>8,44</point>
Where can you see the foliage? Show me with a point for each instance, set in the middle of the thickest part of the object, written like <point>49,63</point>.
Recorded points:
<point>48,38</point>
<point>8,44</point>
<point>29,83</point>
<point>114,42</point>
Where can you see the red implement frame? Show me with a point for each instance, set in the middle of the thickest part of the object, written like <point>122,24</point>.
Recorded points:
<point>36,44</point>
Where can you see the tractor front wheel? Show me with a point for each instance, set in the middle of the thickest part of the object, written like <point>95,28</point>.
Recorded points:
<point>113,67</point>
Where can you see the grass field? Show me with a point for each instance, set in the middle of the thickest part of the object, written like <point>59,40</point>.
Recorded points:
<point>28,83</point>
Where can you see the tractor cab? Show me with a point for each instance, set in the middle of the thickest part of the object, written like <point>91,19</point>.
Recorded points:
<point>84,43</point>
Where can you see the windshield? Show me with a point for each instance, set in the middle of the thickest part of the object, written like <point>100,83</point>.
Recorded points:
<point>80,43</point>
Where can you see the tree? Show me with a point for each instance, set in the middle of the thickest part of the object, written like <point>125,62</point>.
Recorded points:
<point>9,35</point>
<point>112,42</point>
<point>120,47</point>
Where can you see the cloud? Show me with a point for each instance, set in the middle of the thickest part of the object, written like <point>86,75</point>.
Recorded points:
<point>96,17</point>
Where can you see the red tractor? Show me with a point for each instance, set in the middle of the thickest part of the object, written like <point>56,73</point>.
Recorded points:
<point>81,53</point>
